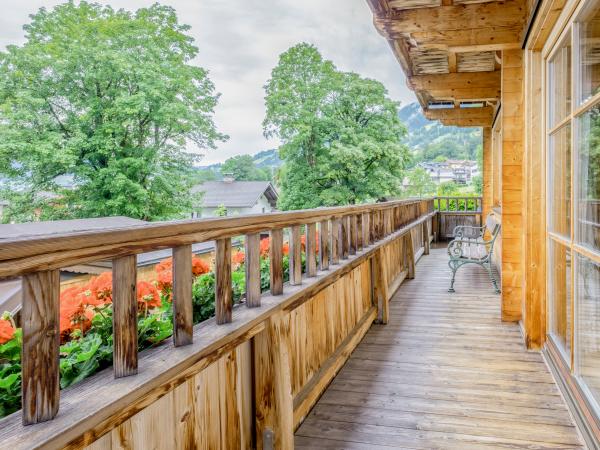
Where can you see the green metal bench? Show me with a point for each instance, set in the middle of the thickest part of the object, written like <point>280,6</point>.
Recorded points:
<point>470,246</point>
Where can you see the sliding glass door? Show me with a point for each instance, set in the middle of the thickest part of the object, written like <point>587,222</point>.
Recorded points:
<point>573,197</point>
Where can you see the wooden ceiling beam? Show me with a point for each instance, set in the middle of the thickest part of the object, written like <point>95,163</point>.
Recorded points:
<point>459,28</point>
<point>462,117</point>
<point>462,80</point>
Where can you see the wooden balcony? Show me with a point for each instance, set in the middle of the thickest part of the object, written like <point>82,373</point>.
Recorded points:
<point>437,370</point>
<point>445,372</point>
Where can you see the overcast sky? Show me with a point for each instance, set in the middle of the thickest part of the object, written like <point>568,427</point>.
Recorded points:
<point>240,41</point>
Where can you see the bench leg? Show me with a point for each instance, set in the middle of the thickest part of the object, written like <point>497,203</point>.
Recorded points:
<point>453,268</point>
<point>488,267</point>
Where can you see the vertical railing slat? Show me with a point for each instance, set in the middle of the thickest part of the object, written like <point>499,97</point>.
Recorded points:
<point>345,237</point>
<point>223,289</point>
<point>295,256</point>
<point>41,341</point>
<point>125,309</point>
<point>276,261</point>
<point>335,241</point>
<point>359,232</point>
<point>252,266</point>
<point>311,249</point>
<point>324,245</point>
<point>366,230</point>
<point>183,320</point>
<point>353,234</point>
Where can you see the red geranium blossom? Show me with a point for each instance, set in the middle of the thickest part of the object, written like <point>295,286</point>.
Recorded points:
<point>265,245</point>
<point>238,257</point>
<point>147,296</point>
<point>100,288</point>
<point>199,267</point>
<point>164,271</point>
<point>7,331</point>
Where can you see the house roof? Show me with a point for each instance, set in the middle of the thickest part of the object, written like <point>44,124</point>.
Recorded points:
<point>18,230</point>
<point>235,194</point>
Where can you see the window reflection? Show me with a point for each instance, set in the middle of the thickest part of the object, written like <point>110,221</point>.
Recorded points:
<point>560,181</point>
<point>588,311</point>
<point>589,48</point>
<point>560,83</point>
<point>560,296</point>
<point>588,191</point>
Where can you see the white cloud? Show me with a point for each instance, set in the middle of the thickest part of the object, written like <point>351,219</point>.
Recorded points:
<point>240,42</point>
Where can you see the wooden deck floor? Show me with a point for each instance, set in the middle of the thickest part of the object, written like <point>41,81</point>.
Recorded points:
<point>444,373</point>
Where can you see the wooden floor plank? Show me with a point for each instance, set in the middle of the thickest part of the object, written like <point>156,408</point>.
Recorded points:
<point>444,373</point>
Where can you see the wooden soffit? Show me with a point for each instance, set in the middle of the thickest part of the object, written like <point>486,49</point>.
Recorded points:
<point>462,117</point>
<point>450,49</point>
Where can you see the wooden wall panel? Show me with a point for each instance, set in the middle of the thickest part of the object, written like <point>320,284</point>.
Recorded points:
<point>487,171</point>
<point>512,183</point>
<point>211,410</point>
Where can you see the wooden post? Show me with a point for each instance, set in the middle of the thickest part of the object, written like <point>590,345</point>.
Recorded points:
<point>410,255</point>
<point>223,290</point>
<point>353,234</point>
<point>183,319</point>
<point>345,238</point>
<point>311,248</point>
<point>41,341</point>
<point>426,242</point>
<point>252,266</point>
<point>273,389</point>
<point>359,232</point>
<point>379,287</point>
<point>276,261</point>
<point>295,256</point>
<point>324,246</point>
<point>366,229</point>
<point>335,241</point>
<point>124,296</point>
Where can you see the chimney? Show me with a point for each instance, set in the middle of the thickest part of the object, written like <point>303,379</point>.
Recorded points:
<point>228,178</point>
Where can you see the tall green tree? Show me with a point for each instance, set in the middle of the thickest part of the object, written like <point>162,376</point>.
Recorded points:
<point>420,183</point>
<point>109,98</point>
<point>242,168</point>
<point>341,133</point>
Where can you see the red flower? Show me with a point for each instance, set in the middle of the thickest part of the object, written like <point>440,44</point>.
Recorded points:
<point>100,288</point>
<point>75,311</point>
<point>286,249</point>
<point>199,267</point>
<point>265,245</point>
<point>147,296</point>
<point>238,257</point>
<point>7,331</point>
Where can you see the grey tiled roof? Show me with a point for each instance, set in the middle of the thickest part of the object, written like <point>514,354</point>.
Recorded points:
<point>235,194</point>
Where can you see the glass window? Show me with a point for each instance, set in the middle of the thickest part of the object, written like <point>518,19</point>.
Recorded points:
<point>560,83</point>
<point>588,324</point>
<point>559,186</point>
<point>588,185</point>
<point>560,296</point>
<point>589,49</point>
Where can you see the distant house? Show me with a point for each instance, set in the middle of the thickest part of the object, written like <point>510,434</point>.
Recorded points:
<point>236,197</point>
<point>458,171</point>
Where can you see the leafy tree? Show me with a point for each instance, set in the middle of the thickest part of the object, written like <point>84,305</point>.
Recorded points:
<point>242,168</point>
<point>420,183</point>
<point>477,183</point>
<point>202,175</point>
<point>340,132</point>
<point>109,98</point>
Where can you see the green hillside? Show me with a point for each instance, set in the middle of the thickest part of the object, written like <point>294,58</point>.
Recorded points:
<point>428,140</point>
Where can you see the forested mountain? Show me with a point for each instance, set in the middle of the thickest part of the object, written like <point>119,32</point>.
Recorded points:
<point>428,140</point>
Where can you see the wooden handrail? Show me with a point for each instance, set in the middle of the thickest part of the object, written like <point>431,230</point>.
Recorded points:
<point>452,204</point>
<point>40,259</point>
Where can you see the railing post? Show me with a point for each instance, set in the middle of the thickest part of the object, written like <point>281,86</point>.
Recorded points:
<point>252,266</point>
<point>353,234</point>
<point>183,321</point>
<point>125,310</point>
<point>311,247</point>
<point>295,256</point>
<point>345,250</point>
<point>335,241</point>
<point>410,255</point>
<point>359,232</point>
<point>324,245</point>
<point>379,286</point>
<point>274,406</point>
<point>426,243</point>
<point>223,290</point>
<point>276,261</point>
<point>41,341</point>
<point>366,228</point>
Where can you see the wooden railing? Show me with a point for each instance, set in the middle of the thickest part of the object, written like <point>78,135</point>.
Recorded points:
<point>265,364</point>
<point>455,211</point>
